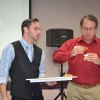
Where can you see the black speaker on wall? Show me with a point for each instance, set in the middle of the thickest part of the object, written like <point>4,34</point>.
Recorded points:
<point>55,37</point>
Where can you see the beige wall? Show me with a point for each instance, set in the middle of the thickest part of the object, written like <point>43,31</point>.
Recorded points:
<point>61,14</point>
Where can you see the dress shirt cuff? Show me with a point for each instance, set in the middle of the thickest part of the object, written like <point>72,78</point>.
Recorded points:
<point>3,81</point>
<point>42,76</point>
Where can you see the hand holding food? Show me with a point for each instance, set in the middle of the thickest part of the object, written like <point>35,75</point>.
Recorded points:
<point>77,50</point>
<point>92,57</point>
<point>85,57</point>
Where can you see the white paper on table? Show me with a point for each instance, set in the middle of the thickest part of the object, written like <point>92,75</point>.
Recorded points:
<point>34,80</point>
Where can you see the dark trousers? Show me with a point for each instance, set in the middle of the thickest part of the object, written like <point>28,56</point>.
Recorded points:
<point>40,97</point>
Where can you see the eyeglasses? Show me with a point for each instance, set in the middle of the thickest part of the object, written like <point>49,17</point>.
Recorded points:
<point>91,29</point>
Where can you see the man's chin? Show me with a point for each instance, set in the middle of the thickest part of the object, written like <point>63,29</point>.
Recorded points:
<point>36,40</point>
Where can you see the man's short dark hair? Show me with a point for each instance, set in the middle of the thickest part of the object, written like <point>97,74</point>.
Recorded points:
<point>27,23</point>
<point>89,17</point>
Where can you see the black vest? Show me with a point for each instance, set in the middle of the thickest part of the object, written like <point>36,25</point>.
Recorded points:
<point>21,69</point>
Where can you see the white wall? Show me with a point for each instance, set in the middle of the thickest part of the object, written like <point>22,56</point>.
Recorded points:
<point>12,13</point>
<point>61,14</point>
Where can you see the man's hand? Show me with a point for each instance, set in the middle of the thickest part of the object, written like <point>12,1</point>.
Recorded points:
<point>93,57</point>
<point>51,83</point>
<point>3,92</point>
<point>77,50</point>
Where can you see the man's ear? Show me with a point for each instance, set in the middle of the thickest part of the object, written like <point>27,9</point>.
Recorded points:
<point>25,29</point>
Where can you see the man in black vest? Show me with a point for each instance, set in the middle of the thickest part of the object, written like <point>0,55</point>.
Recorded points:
<point>22,59</point>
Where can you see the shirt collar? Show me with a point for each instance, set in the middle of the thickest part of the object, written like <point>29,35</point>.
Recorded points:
<point>81,40</point>
<point>25,43</point>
